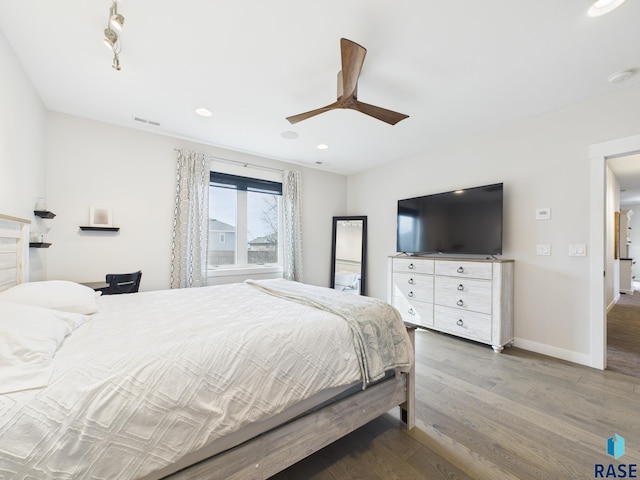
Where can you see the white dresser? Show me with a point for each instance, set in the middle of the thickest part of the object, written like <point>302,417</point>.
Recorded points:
<point>464,297</point>
<point>626,275</point>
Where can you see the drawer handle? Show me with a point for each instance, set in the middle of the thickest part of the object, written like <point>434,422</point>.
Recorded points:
<point>460,303</point>
<point>412,266</point>
<point>460,270</point>
<point>460,287</point>
<point>411,281</point>
<point>411,311</point>
<point>411,295</point>
<point>460,323</point>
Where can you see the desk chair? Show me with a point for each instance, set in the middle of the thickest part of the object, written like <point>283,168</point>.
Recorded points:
<point>122,283</point>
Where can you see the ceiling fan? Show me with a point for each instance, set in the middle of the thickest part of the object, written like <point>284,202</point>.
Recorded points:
<point>352,60</point>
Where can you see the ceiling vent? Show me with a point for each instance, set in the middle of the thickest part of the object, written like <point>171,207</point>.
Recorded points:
<point>150,122</point>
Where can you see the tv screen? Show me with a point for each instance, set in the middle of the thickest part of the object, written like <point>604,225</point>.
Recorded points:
<point>465,221</point>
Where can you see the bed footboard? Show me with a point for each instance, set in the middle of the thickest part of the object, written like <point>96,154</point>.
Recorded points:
<point>408,408</point>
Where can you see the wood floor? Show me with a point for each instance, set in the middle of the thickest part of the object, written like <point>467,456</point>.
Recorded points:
<point>482,415</point>
<point>623,335</point>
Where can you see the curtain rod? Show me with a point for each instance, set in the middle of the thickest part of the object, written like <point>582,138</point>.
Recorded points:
<point>235,162</point>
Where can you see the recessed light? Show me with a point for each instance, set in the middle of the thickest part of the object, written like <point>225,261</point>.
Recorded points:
<point>289,135</point>
<point>203,112</point>
<point>322,146</point>
<point>620,76</point>
<point>602,7</point>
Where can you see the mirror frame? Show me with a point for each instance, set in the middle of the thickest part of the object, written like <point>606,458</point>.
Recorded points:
<point>363,253</point>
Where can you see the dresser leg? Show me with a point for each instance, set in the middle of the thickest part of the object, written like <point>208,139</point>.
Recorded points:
<point>497,348</point>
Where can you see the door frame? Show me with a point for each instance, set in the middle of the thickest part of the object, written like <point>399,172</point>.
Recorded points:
<point>598,155</point>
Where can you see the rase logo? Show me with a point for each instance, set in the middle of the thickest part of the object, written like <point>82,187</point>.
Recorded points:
<point>615,448</point>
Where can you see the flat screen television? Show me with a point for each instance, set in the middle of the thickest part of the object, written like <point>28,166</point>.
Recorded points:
<point>467,222</point>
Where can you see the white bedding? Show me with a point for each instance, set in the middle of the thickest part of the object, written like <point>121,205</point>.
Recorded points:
<point>155,375</point>
<point>29,338</point>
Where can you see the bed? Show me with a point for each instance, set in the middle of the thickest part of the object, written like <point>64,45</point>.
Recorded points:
<point>148,386</point>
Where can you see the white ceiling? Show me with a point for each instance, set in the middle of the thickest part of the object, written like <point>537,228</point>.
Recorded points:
<point>456,67</point>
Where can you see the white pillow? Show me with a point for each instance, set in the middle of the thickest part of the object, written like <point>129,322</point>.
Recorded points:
<point>55,294</point>
<point>29,339</point>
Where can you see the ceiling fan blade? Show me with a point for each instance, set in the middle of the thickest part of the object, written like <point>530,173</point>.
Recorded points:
<point>352,60</point>
<point>303,116</point>
<point>383,114</point>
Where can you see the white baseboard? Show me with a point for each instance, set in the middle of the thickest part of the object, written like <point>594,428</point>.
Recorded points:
<point>561,353</point>
<point>613,302</point>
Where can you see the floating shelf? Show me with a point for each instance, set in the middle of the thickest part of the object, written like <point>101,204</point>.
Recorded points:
<point>39,245</point>
<point>100,229</point>
<point>44,213</point>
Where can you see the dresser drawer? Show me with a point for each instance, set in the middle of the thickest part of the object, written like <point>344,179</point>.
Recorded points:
<point>413,311</point>
<point>471,325</point>
<point>464,293</point>
<point>411,265</point>
<point>412,286</point>
<point>464,269</point>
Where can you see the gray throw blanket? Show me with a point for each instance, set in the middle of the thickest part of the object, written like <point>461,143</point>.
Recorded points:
<point>379,335</point>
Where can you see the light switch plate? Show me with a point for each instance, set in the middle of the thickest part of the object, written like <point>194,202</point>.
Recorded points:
<point>578,250</point>
<point>543,249</point>
<point>543,213</point>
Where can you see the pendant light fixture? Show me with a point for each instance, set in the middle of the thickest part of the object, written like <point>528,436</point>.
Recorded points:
<point>111,40</point>
<point>602,7</point>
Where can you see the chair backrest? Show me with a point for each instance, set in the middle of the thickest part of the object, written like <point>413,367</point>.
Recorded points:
<point>123,283</point>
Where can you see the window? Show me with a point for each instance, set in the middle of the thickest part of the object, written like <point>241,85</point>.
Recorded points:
<point>244,219</point>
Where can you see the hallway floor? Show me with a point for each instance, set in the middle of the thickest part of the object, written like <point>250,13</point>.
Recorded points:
<point>623,335</point>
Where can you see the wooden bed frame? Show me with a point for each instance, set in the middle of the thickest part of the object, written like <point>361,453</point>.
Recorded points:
<point>279,448</point>
<point>14,251</point>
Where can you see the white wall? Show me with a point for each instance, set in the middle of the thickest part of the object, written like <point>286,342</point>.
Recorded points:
<point>133,172</point>
<point>22,154</point>
<point>543,162</point>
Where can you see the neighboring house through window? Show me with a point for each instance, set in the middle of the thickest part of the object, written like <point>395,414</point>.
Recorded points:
<point>244,221</point>
<point>220,251</point>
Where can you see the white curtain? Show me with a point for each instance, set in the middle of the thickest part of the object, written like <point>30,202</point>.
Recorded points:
<point>291,223</point>
<point>190,221</point>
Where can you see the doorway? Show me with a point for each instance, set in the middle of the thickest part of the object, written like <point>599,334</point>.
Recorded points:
<point>623,317</point>
<point>601,238</point>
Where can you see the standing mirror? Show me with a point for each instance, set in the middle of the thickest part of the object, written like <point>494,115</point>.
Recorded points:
<point>349,254</point>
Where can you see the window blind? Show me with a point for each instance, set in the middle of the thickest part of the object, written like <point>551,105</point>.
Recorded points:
<point>237,182</point>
